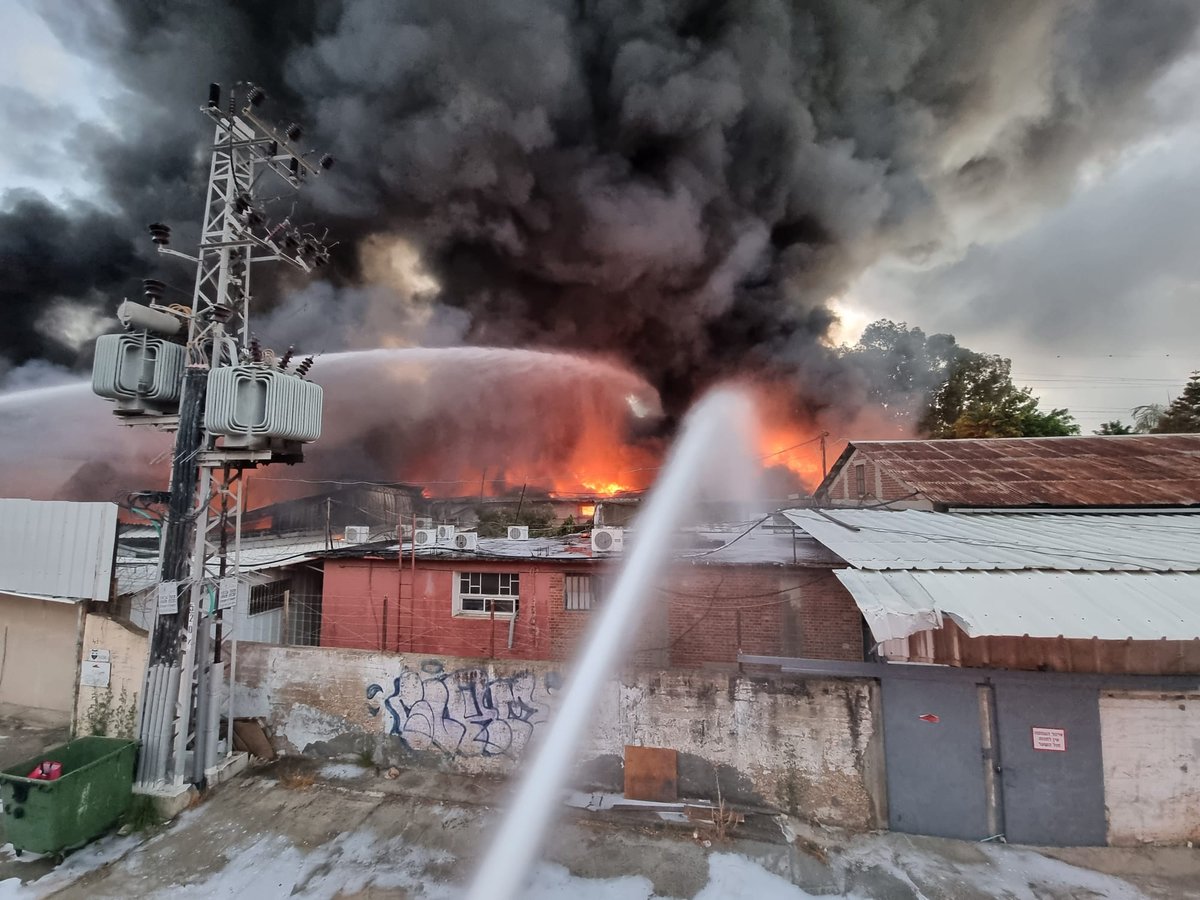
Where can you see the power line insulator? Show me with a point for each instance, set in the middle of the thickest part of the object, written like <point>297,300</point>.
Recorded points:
<point>293,132</point>
<point>256,96</point>
<point>327,162</point>
<point>214,95</point>
<point>153,289</point>
<point>160,233</point>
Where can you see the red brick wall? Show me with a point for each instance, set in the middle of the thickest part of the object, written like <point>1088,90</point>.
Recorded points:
<point>698,616</point>
<point>881,485</point>
<point>421,609</point>
<point>830,623</point>
<point>769,611</point>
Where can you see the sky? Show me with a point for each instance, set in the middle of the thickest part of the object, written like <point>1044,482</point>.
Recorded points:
<point>1096,301</point>
<point>1095,295</point>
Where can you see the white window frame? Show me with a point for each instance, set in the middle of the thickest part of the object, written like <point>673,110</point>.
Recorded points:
<point>596,589</point>
<point>503,596</point>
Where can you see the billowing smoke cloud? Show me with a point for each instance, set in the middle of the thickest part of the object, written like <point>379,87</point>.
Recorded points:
<point>682,183</point>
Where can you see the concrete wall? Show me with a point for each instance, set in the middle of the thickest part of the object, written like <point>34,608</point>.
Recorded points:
<point>1151,749</point>
<point>112,710</point>
<point>808,746</point>
<point>39,642</point>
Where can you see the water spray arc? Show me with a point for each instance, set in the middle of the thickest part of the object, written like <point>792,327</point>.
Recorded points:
<point>199,372</point>
<point>718,432</point>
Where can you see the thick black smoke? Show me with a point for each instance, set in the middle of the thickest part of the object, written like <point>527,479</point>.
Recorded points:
<point>683,183</point>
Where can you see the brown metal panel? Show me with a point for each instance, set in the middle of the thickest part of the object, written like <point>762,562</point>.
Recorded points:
<point>1133,470</point>
<point>651,773</point>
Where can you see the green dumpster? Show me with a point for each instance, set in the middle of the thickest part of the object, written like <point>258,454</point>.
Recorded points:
<point>95,789</point>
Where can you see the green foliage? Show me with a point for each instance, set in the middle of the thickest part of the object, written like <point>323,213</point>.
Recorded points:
<point>944,390</point>
<point>494,519</point>
<point>141,816</point>
<point>1147,416</point>
<point>366,759</point>
<point>1183,415</point>
<point>106,719</point>
<point>1116,426</point>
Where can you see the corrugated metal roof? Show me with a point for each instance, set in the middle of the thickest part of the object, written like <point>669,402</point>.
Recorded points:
<point>714,545</point>
<point>136,574</point>
<point>919,539</point>
<point>1112,606</point>
<point>57,550</point>
<point>1128,470</point>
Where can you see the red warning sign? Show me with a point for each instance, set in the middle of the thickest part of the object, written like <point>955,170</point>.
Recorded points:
<point>930,718</point>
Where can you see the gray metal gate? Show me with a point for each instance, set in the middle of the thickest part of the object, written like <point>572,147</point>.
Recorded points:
<point>1052,777</point>
<point>935,765</point>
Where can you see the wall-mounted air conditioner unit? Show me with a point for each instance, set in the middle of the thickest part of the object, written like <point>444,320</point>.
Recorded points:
<point>358,534</point>
<point>466,540</point>
<point>518,532</point>
<point>425,537</point>
<point>445,534</point>
<point>250,403</point>
<point>608,540</point>
<point>424,522</point>
<point>143,374</point>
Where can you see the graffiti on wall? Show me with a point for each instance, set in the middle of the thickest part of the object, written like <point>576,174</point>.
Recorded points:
<point>463,712</point>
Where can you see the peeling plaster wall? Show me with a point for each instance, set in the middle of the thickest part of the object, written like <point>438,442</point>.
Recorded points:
<point>1151,748</point>
<point>129,649</point>
<point>811,747</point>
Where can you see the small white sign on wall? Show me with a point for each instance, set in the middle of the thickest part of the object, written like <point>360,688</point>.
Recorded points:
<point>1050,739</point>
<point>168,598</point>
<point>227,592</point>
<point>95,674</point>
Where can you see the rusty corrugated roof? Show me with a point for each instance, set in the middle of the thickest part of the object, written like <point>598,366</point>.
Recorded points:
<point>1101,471</point>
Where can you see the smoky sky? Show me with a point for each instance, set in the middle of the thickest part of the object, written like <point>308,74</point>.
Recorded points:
<point>679,184</point>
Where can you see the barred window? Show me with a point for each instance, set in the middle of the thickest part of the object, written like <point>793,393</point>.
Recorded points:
<point>481,592</point>
<point>267,597</point>
<point>582,591</point>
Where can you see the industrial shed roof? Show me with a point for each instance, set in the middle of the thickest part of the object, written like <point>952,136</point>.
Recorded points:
<point>139,573</point>
<point>737,544</point>
<point>923,540</point>
<point>1097,471</point>
<point>56,550</point>
<point>1106,605</point>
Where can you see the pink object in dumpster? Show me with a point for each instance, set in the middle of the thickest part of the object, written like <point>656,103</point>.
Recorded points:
<point>47,770</point>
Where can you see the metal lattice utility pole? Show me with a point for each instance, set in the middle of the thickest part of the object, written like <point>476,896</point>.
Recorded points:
<point>180,705</point>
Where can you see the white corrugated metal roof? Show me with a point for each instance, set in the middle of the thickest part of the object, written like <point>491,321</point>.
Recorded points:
<point>917,539</point>
<point>56,550</point>
<point>136,574</point>
<point>1111,606</point>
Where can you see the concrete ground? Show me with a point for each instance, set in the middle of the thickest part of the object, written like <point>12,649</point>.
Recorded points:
<point>303,828</point>
<point>25,732</point>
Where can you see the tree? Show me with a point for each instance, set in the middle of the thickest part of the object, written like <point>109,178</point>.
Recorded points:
<point>1183,415</point>
<point>1147,416</point>
<point>1116,426</point>
<point>948,391</point>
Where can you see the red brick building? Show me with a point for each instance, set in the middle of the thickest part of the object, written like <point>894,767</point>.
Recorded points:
<point>772,592</point>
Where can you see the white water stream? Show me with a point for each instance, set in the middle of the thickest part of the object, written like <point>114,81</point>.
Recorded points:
<point>714,452</point>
